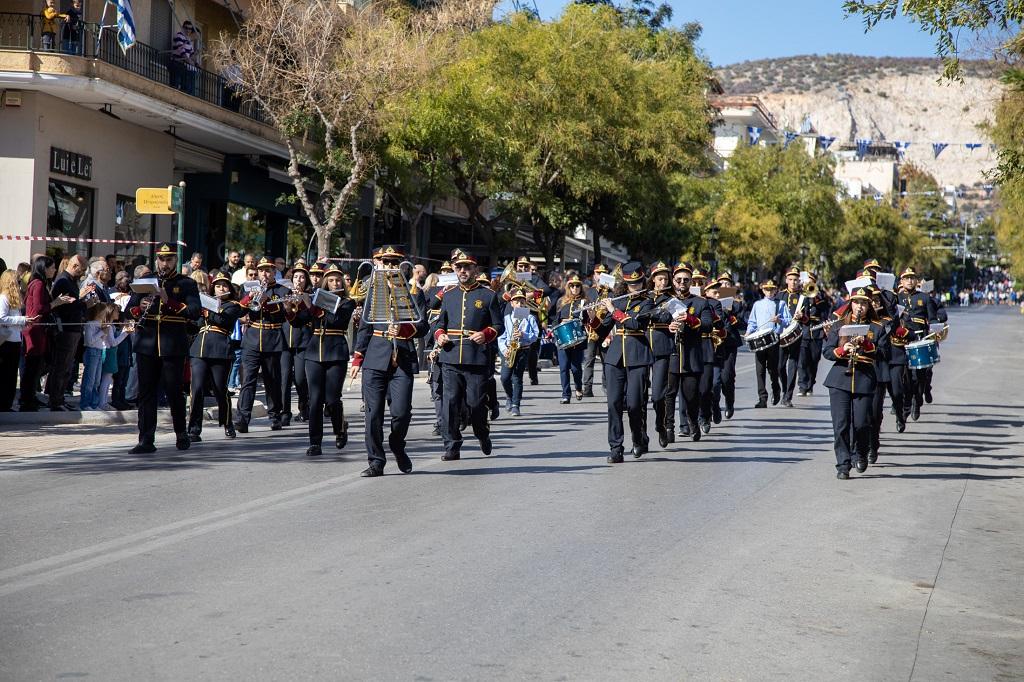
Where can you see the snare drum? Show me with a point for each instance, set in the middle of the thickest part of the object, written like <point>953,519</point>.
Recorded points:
<point>569,334</point>
<point>791,334</point>
<point>766,338</point>
<point>922,354</point>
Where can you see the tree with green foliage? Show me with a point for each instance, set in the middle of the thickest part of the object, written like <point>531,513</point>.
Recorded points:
<point>875,230</point>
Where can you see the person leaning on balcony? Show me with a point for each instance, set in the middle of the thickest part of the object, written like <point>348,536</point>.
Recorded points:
<point>49,27</point>
<point>183,57</point>
<point>71,33</point>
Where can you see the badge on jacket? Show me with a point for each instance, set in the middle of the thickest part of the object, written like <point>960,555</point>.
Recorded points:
<point>478,303</point>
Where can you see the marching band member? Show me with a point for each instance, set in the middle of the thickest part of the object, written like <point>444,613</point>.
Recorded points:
<point>789,356</point>
<point>709,411</point>
<point>851,382</point>
<point>325,358</point>
<point>513,345</point>
<point>626,361</point>
<point>212,356</point>
<point>570,360</point>
<point>774,314</point>
<point>884,372</point>
<point>387,356</point>
<point>470,318</point>
<point>491,385</point>
<point>889,299</point>
<point>819,309</point>
<point>161,347</point>
<point>297,332</point>
<point>594,348</point>
<point>433,298</point>
<point>728,350</point>
<point>523,266</point>
<point>686,366</point>
<point>663,344</point>
<point>918,314</point>
<point>316,273</point>
<point>262,346</point>
<point>943,317</point>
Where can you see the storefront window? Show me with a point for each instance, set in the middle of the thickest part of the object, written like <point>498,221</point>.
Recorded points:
<point>69,214</point>
<point>246,230</point>
<point>129,225</point>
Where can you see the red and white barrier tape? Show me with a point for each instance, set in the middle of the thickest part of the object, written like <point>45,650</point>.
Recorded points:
<point>34,238</point>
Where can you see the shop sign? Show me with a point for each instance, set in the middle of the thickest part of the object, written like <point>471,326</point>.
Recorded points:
<point>69,163</point>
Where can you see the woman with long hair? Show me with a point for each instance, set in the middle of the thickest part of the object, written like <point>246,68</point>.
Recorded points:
<point>202,281</point>
<point>297,332</point>
<point>37,306</point>
<point>212,355</point>
<point>11,323</point>
<point>326,359</point>
<point>568,307</point>
<point>854,344</point>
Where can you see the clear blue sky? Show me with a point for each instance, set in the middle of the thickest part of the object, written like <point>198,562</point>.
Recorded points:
<point>737,30</point>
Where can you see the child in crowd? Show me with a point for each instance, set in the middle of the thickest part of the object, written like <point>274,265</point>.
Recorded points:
<point>100,359</point>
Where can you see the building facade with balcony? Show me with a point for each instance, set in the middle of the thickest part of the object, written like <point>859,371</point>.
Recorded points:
<point>83,125</point>
<point>742,119</point>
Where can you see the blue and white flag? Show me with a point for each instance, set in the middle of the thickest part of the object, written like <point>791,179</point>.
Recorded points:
<point>825,142</point>
<point>753,134</point>
<point>988,190</point>
<point>125,24</point>
<point>790,136</point>
<point>937,148</point>
<point>971,146</point>
<point>901,148</point>
<point>862,148</point>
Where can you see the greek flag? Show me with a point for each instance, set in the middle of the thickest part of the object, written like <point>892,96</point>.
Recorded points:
<point>125,24</point>
<point>937,148</point>
<point>754,134</point>
<point>825,142</point>
<point>862,148</point>
<point>790,136</point>
<point>973,145</point>
<point>901,148</point>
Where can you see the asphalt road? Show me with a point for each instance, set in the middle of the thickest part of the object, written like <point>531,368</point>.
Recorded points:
<point>737,558</point>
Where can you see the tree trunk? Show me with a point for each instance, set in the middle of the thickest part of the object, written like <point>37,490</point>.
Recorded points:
<point>595,233</point>
<point>323,243</point>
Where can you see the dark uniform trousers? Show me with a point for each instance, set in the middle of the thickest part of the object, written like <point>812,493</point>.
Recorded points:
<point>689,385</point>
<point>464,385</point>
<point>706,388</point>
<point>204,369</point>
<point>590,355</point>
<point>877,412</point>
<point>659,391</point>
<point>325,379</point>
<point>789,362</point>
<point>767,359</point>
<point>531,367</point>
<point>725,379</point>
<point>626,387</point>
<point>154,372</point>
<point>898,378</point>
<point>436,391</point>
<point>810,355</point>
<point>293,369</point>
<point>254,362</point>
<point>393,385</point>
<point>851,425</point>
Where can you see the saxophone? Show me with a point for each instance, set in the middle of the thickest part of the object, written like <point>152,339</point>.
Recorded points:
<point>513,345</point>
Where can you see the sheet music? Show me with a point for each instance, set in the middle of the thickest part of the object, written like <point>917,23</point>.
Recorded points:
<point>726,302</point>
<point>936,327</point>
<point>852,284</point>
<point>605,280</point>
<point>675,307</point>
<point>449,279</point>
<point>209,302</point>
<point>929,286</point>
<point>146,285</point>
<point>695,290</point>
<point>885,280</point>
<point>520,313</point>
<point>853,330</point>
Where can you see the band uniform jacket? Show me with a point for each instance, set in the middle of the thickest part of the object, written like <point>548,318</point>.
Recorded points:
<point>432,297</point>
<point>465,310</point>
<point>717,326</point>
<point>328,339</point>
<point>662,341</point>
<point>265,333</point>
<point>688,356</point>
<point>735,325</point>
<point>375,346</point>
<point>819,309</point>
<point>298,330</point>
<point>791,299</point>
<point>862,377</point>
<point>562,311</point>
<point>627,327</point>
<point>164,329</point>
<point>214,338</point>
<point>918,312</point>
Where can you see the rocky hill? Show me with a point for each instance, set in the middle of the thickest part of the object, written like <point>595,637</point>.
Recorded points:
<point>883,99</point>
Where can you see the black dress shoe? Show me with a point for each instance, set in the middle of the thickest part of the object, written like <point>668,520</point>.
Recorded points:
<point>615,457</point>
<point>313,451</point>
<point>761,405</point>
<point>915,414</point>
<point>695,433</point>
<point>286,420</point>
<point>229,431</point>
<point>862,464</point>
<point>705,426</point>
<point>589,393</point>
<point>775,398</point>
<point>901,425</point>
<point>486,446</point>
<point>276,425</point>
<point>301,417</point>
<point>872,456</point>
<point>663,439</point>
<point>195,438</point>
<point>928,396</point>
<point>182,441</point>
<point>843,475</point>
<point>341,440</point>
<point>60,408</point>
<point>436,431</point>
<point>449,456</point>
<point>495,413</point>
<point>241,427</point>
<point>716,416</point>
<point>563,401</point>
<point>729,411</point>
<point>371,472</point>
<point>142,449</point>
<point>671,435</point>
<point>787,403</point>
<point>684,431</point>
<point>403,461</point>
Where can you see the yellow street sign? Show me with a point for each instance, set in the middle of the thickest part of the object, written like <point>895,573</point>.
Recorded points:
<point>153,200</point>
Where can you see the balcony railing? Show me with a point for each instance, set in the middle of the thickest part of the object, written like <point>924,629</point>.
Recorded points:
<point>24,32</point>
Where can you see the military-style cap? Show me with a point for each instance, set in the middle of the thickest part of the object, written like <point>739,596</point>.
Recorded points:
<point>871,263</point>
<point>317,269</point>
<point>166,249</point>
<point>460,257</point>
<point>388,251</point>
<point>523,260</point>
<point>265,263</point>
<point>517,293</point>
<point>726,277</point>
<point>860,294</point>
<point>793,270</point>
<point>698,273</point>
<point>632,272</point>
<point>220,276</point>
<point>711,286</point>
<point>768,285</point>
<point>600,269</point>
<point>811,275</point>
<point>300,266</point>
<point>447,267</point>
<point>659,267</point>
<point>483,278</point>
<point>574,279</point>
<point>682,266</point>
<point>908,272</point>
<point>332,269</point>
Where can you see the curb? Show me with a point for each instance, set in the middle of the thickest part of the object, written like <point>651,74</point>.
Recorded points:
<point>100,418</point>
